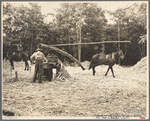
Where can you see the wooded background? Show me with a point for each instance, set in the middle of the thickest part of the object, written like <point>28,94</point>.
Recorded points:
<point>75,20</point>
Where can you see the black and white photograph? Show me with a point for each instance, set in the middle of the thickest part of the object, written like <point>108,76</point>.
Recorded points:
<point>75,60</point>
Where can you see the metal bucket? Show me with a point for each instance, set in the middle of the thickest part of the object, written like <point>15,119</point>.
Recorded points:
<point>45,65</point>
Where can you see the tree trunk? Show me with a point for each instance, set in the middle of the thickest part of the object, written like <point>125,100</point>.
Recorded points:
<point>140,51</point>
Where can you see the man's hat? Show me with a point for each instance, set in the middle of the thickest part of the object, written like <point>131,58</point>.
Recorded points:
<point>38,49</point>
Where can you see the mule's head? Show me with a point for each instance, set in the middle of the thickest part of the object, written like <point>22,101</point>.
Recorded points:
<point>120,54</point>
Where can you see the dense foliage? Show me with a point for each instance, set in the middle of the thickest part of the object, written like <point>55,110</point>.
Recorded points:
<point>26,25</point>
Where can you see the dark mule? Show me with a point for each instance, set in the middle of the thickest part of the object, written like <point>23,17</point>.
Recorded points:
<point>15,54</point>
<point>105,59</point>
<point>18,56</point>
<point>28,54</point>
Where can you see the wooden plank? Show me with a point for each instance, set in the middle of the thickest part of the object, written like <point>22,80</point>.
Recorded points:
<point>92,43</point>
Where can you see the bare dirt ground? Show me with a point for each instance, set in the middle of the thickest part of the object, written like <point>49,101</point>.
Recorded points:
<point>83,95</point>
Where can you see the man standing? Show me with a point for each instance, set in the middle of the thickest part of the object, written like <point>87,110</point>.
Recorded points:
<point>38,57</point>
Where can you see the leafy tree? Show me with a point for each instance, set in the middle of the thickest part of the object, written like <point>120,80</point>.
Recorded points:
<point>71,16</point>
<point>25,24</point>
<point>7,22</point>
<point>132,25</point>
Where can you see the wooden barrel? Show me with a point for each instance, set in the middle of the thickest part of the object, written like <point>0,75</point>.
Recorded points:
<point>45,65</point>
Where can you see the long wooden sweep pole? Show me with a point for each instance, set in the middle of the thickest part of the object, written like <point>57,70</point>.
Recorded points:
<point>92,43</point>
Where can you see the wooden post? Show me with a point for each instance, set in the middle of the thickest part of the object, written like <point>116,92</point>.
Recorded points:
<point>77,42</point>
<point>126,47</point>
<point>119,40</point>
<point>16,79</point>
<point>79,47</point>
<point>79,24</point>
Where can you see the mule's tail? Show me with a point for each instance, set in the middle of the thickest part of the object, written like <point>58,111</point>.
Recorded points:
<point>94,61</point>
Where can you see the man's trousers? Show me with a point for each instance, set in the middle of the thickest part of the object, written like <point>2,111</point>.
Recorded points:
<point>38,70</point>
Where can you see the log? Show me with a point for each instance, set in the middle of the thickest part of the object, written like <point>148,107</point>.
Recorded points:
<point>63,53</point>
